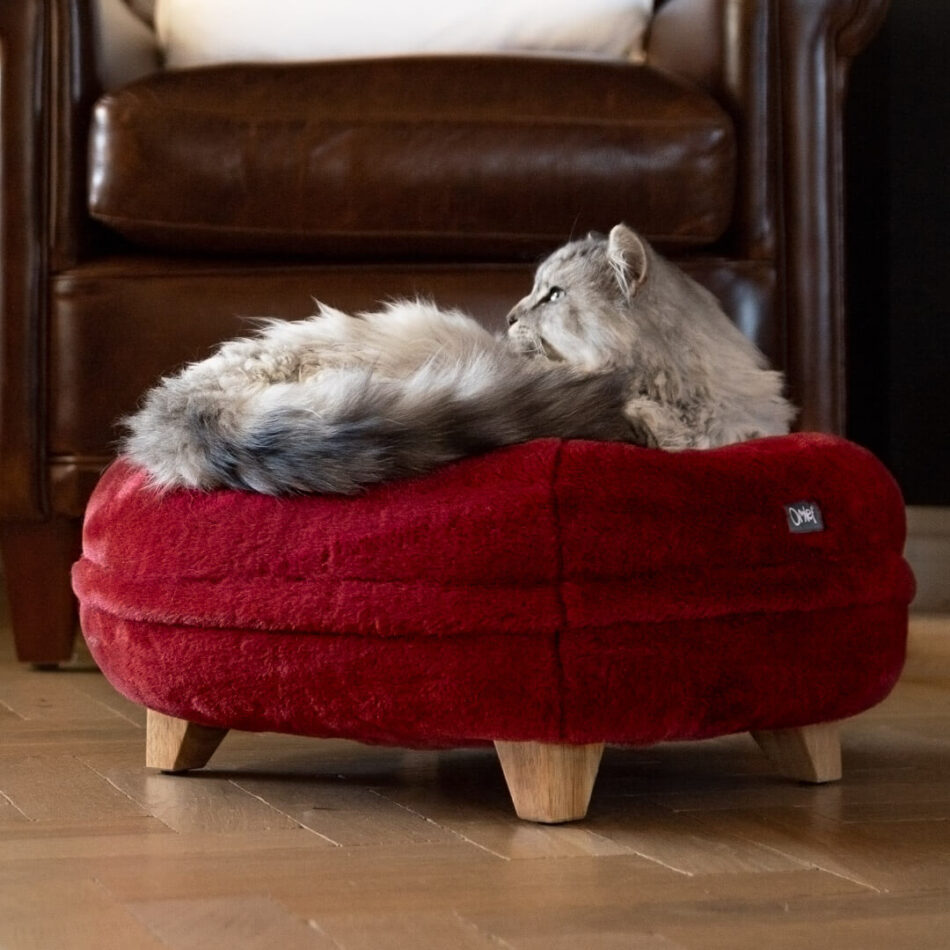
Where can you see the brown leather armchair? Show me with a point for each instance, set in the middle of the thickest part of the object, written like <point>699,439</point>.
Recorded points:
<point>139,231</point>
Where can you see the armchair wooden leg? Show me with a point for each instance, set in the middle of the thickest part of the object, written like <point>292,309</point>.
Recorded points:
<point>548,782</point>
<point>807,754</point>
<point>176,745</point>
<point>37,559</point>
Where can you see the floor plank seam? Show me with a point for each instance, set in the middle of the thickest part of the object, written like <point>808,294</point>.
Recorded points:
<point>127,795</point>
<point>6,798</point>
<point>692,845</point>
<point>808,864</point>
<point>300,824</point>
<point>454,832</point>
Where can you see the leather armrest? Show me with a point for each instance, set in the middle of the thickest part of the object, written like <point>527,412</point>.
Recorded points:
<point>48,83</point>
<point>817,41</point>
<point>781,68</point>
<point>74,87</point>
<point>24,197</point>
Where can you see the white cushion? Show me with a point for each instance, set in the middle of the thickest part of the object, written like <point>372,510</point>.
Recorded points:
<point>199,32</point>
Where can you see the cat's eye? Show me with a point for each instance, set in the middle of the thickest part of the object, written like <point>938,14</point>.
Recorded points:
<point>555,293</point>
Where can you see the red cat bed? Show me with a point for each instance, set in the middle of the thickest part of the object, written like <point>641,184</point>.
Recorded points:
<point>550,597</point>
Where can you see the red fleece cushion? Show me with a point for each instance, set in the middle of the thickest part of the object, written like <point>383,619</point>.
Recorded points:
<point>559,591</point>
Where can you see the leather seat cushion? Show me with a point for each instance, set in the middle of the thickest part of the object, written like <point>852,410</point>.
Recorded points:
<point>468,157</point>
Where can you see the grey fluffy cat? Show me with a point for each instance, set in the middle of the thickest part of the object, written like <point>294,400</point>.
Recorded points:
<point>612,343</point>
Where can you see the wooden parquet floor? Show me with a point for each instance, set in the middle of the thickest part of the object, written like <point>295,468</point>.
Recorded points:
<point>290,843</point>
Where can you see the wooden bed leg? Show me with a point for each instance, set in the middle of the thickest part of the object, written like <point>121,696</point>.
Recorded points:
<point>807,754</point>
<point>176,745</point>
<point>548,782</point>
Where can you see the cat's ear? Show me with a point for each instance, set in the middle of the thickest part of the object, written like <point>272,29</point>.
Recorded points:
<point>628,257</point>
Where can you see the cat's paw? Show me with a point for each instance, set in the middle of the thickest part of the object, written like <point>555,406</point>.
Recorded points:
<point>657,425</point>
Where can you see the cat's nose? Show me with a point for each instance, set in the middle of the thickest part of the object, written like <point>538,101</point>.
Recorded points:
<point>513,317</point>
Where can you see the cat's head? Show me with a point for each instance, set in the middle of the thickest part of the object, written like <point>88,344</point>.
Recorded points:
<point>576,311</point>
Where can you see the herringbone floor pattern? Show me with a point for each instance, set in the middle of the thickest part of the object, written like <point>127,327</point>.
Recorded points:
<point>285,842</point>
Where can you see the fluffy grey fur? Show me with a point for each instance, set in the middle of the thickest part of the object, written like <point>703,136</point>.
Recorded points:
<point>693,379</point>
<point>613,343</point>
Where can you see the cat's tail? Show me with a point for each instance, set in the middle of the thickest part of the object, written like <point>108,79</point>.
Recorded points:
<point>346,429</point>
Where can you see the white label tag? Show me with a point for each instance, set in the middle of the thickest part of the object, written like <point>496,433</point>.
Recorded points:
<point>803,517</point>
